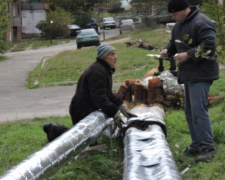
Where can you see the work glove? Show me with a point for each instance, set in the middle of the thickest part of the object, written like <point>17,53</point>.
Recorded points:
<point>126,112</point>
<point>118,119</point>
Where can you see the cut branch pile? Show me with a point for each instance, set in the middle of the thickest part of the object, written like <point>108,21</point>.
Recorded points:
<point>141,44</point>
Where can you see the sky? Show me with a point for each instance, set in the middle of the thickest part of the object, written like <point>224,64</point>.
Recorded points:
<point>125,4</point>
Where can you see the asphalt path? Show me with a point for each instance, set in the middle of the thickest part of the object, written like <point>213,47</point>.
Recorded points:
<point>19,103</point>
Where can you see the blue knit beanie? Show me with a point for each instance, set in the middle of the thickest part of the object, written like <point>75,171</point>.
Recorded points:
<point>104,50</point>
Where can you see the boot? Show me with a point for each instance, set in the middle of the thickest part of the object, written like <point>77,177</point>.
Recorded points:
<point>206,155</point>
<point>54,130</point>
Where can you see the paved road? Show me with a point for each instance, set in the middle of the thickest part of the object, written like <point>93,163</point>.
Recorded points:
<point>17,102</point>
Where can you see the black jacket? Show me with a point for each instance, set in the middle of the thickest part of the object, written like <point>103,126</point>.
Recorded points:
<point>196,32</point>
<point>94,91</point>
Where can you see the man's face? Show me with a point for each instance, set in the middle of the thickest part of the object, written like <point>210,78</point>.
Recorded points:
<point>111,59</point>
<point>179,16</point>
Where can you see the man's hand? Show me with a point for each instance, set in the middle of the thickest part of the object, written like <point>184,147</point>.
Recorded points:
<point>126,112</point>
<point>181,56</point>
<point>118,119</point>
<point>164,53</point>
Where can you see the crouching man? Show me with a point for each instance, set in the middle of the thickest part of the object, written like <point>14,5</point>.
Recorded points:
<point>93,92</point>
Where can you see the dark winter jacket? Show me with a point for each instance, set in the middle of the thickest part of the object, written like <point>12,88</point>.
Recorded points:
<point>94,91</point>
<point>196,33</point>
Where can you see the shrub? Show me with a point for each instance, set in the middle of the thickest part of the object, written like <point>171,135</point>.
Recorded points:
<point>83,18</point>
<point>4,22</point>
<point>218,15</point>
<point>56,24</point>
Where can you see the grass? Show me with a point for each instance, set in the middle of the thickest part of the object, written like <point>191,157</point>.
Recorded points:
<point>20,139</point>
<point>33,44</point>
<point>66,67</point>
<point>179,138</point>
<point>2,58</point>
<point>155,35</point>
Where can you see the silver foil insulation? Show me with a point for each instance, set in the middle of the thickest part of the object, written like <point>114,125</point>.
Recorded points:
<point>147,155</point>
<point>61,151</point>
<point>146,152</point>
<point>171,89</point>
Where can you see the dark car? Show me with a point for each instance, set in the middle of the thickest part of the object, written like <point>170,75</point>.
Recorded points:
<point>92,25</point>
<point>87,37</point>
<point>73,29</point>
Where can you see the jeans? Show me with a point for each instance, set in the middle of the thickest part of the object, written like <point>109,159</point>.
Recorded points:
<point>196,111</point>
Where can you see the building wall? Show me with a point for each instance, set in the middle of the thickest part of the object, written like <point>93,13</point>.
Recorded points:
<point>31,15</point>
<point>30,18</point>
<point>25,16</point>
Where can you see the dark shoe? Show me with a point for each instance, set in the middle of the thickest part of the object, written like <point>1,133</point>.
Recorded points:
<point>206,155</point>
<point>46,127</point>
<point>54,130</point>
<point>190,152</point>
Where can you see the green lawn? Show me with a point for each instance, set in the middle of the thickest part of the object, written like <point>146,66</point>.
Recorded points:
<point>66,67</point>
<point>33,44</point>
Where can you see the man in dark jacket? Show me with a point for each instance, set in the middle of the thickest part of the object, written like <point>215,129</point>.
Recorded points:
<point>94,92</point>
<point>193,45</point>
<point>94,88</point>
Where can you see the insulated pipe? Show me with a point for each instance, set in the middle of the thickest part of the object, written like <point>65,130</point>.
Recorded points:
<point>62,150</point>
<point>146,152</point>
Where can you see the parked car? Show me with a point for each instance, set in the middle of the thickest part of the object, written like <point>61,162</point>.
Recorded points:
<point>91,25</point>
<point>108,22</point>
<point>73,29</point>
<point>87,37</point>
<point>126,25</point>
<point>126,22</point>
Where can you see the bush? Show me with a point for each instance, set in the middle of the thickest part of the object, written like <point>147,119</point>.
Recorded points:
<point>217,14</point>
<point>4,23</point>
<point>44,27</point>
<point>83,18</point>
<point>56,24</point>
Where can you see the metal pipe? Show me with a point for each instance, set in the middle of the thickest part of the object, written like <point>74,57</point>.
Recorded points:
<point>147,154</point>
<point>62,150</point>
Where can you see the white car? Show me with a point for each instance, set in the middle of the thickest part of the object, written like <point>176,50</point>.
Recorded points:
<point>126,22</point>
<point>108,22</point>
<point>126,25</point>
